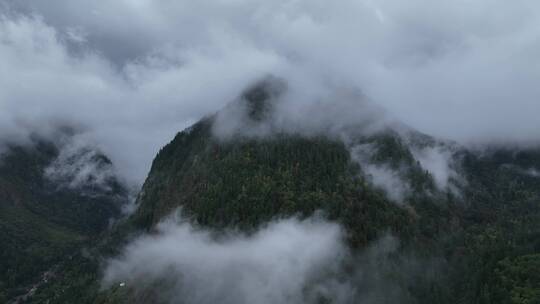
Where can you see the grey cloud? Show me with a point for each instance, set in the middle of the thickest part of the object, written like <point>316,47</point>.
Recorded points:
<point>133,73</point>
<point>128,113</point>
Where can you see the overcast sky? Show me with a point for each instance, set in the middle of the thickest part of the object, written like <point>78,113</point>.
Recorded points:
<point>131,73</point>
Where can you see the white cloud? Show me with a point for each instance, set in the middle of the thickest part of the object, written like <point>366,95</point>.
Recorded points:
<point>437,160</point>
<point>285,261</point>
<point>381,175</point>
<point>289,261</point>
<point>533,172</point>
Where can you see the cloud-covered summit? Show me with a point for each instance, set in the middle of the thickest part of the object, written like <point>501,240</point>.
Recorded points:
<point>132,73</point>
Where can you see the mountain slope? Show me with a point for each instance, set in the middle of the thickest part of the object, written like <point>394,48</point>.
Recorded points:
<point>247,180</point>
<point>42,220</point>
<point>468,231</point>
<point>476,231</point>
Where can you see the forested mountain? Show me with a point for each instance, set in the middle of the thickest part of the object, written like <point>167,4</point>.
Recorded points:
<point>467,221</point>
<point>53,200</point>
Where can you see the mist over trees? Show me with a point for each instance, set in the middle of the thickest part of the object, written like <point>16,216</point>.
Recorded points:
<point>254,151</point>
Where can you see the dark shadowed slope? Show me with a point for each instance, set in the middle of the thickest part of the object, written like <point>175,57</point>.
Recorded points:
<point>42,219</point>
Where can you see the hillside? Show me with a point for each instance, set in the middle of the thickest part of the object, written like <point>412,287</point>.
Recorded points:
<point>470,238</point>
<point>43,220</point>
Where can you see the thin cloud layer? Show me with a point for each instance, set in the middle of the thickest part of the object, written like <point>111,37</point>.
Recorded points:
<point>380,175</point>
<point>79,167</point>
<point>132,73</point>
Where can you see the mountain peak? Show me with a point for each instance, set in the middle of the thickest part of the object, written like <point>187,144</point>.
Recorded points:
<point>260,97</point>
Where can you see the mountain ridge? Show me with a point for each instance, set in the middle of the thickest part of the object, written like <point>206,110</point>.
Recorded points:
<point>42,220</point>
<point>476,219</point>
